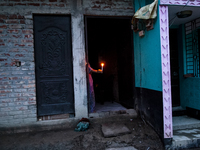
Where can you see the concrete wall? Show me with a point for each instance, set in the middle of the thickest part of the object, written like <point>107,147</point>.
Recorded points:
<point>18,104</point>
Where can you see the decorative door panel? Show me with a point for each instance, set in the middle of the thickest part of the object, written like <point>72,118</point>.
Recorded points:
<point>53,58</point>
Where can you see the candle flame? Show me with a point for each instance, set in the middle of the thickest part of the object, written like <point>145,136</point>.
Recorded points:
<point>102,64</point>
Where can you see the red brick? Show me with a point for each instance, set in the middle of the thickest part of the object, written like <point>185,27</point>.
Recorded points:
<point>3,59</point>
<point>6,4</point>
<point>30,45</point>
<point>12,21</point>
<point>14,59</point>
<point>46,4</point>
<point>13,16</point>
<point>29,94</point>
<point>28,26</point>
<point>5,100</point>
<point>27,31</point>
<point>3,17</point>
<point>29,86</point>
<point>26,77</point>
<point>1,40</point>
<point>3,4</point>
<point>20,45</point>
<point>19,55</point>
<point>25,50</point>
<point>5,83</point>
<point>1,31</point>
<point>3,87</point>
<point>13,78</point>
<point>3,35</point>
<point>3,78</point>
<point>52,0</point>
<point>4,73</point>
<point>3,95</point>
<point>31,81</point>
<point>60,5</point>
<point>22,21</point>
<point>20,99</point>
<point>5,91</point>
<point>22,108</point>
<point>12,31</point>
<point>15,26</point>
<point>31,99</point>
<point>2,44</point>
<point>20,17</point>
<point>3,26</point>
<point>5,54</point>
<point>12,64</point>
<point>31,90</point>
<point>17,36</point>
<point>33,4</point>
<point>20,4</point>
<point>27,41</point>
<point>95,6</point>
<point>12,41</point>
<point>14,0</point>
<point>14,50</point>
<point>28,0</point>
<point>28,36</point>
<point>1,21</point>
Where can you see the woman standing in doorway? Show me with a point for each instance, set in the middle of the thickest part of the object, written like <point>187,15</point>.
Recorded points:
<point>91,88</point>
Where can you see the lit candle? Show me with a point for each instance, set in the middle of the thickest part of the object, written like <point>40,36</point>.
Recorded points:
<point>102,64</point>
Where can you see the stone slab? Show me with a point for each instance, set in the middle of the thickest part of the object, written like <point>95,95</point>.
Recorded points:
<point>122,148</point>
<point>114,129</point>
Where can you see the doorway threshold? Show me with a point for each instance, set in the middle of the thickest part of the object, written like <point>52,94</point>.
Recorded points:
<point>109,106</point>
<point>113,111</point>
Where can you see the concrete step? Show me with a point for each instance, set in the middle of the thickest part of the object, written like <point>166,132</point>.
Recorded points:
<point>186,138</point>
<point>185,122</point>
<point>122,148</point>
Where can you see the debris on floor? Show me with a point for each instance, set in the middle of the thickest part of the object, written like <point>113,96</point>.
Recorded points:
<point>83,125</point>
<point>114,129</point>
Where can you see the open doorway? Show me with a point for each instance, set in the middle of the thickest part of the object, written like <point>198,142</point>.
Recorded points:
<point>184,59</point>
<point>109,40</point>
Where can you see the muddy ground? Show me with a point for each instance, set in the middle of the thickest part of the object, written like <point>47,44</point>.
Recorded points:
<point>142,137</point>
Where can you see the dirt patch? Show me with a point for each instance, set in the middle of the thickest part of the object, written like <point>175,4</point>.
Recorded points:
<point>141,137</point>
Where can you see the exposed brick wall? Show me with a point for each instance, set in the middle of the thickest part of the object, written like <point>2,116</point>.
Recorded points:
<point>37,3</point>
<point>17,84</point>
<point>109,4</point>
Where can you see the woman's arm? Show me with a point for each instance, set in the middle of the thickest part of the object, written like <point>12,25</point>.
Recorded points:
<point>96,71</point>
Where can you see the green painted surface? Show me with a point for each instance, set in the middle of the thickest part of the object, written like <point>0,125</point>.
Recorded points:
<point>147,57</point>
<point>189,87</point>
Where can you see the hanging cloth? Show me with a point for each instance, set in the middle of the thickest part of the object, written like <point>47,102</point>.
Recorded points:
<point>148,11</point>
